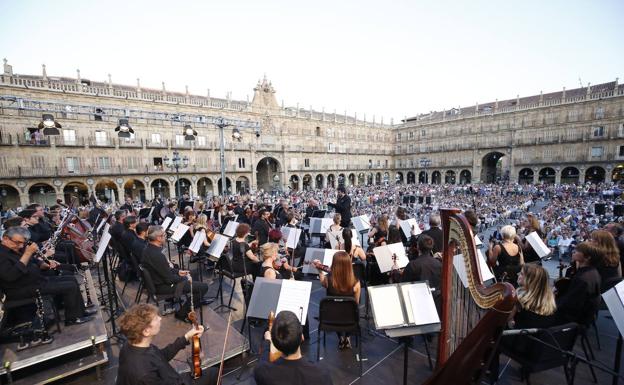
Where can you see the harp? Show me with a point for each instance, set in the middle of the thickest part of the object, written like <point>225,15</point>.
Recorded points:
<point>472,318</point>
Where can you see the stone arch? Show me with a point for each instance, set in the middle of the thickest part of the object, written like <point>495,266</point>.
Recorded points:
<point>436,177</point>
<point>267,169</point>
<point>242,185</point>
<point>570,175</point>
<point>398,177</point>
<point>525,176</point>
<point>617,175</point>
<point>449,177</point>
<point>378,178</point>
<point>135,189</point>
<point>204,187</point>
<point>595,174</point>
<point>342,179</point>
<point>423,177</point>
<point>331,181</point>
<point>547,175</point>
<point>185,187</point>
<point>42,193</point>
<point>352,179</point>
<point>411,177</point>
<point>386,177</point>
<point>9,196</point>
<point>319,179</point>
<point>307,182</point>
<point>161,187</point>
<point>491,167</point>
<point>228,185</point>
<point>293,182</point>
<point>465,177</point>
<point>75,189</point>
<point>106,191</point>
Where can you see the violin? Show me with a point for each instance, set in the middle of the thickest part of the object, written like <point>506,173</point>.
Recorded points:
<point>318,266</point>
<point>274,354</point>
<point>196,370</point>
<point>395,273</point>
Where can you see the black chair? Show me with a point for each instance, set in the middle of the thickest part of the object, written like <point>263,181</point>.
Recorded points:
<point>148,284</point>
<point>8,305</point>
<point>224,265</point>
<point>534,356</point>
<point>339,314</point>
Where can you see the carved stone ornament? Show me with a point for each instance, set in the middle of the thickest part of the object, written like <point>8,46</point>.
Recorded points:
<point>194,178</point>
<point>21,183</point>
<point>146,178</point>
<point>119,181</point>
<point>57,182</point>
<point>90,182</point>
<point>171,178</point>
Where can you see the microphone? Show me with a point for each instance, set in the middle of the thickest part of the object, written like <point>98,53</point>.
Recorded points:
<point>515,332</point>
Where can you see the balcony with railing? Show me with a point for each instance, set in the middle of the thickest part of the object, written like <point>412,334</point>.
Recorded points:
<point>43,142</point>
<point>130,143</point>
<point>157,144</point>
<point>6,139</point>
<point>61,141</point>
<point>101,142</point>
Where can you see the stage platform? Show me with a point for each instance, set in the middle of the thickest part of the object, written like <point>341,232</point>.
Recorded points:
<point>64,350</point>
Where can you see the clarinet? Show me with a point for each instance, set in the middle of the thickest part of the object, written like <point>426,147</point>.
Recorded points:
<point>89,302</point>
<point>40,313</point>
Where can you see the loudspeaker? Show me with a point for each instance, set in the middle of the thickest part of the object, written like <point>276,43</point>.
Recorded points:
<point>599,208</point>
<point>421,199</point>
<point>412,199</point>
<point>405,199</point>
<point>618,210</point>
<point>428,200</point>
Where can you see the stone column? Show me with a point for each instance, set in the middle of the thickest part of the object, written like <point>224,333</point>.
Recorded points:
<point>24,199</point>
<point>557,175</point>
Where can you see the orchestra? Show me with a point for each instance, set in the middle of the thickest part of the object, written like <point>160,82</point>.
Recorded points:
<point>258,248</point>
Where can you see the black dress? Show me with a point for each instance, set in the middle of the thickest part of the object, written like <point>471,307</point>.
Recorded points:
<point>582,298</point>
<point>508,266</point>
<point>240,263</point>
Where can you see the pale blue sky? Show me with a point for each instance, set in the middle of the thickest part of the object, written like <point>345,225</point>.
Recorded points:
<point>391,58</point>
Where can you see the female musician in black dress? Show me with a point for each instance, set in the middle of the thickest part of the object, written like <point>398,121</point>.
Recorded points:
<point>506,257</point>
<point>380,232</point>
<point>243,259</point>
<point>531,224</point>
<point>610,269</point>
<point>341,281</point>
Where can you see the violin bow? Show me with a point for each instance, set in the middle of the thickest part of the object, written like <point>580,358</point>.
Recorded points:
<point>227,332</point>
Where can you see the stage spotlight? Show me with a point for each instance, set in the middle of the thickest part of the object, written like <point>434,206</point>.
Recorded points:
<point>123,129</point>
<point>49,125</point>
<point>189,132</point>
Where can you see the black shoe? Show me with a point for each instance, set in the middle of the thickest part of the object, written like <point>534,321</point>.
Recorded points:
<point>89,312</point>
<point>78,321</point>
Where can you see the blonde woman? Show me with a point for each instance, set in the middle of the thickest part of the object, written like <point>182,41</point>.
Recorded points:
<point>506,257</point>
<point>536,301</point>
<point>609,269</point>
<point>335,230</point>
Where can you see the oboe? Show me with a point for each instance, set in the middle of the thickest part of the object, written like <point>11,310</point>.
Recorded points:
<point>89,302</point>
<point>45,338</point>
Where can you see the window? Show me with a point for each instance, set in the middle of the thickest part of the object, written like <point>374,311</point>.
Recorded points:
<point>596,152</point>
<point>598,131</point>
<point>100,138</point>
<point>621,151</point>
<point>98,114</point>
<point>201,141</point>
<point>423,133</point>
<point>330,147</point>
<point>411,148</point>
<point>158,164</point>
<point>399,136</point>
<point>318,131</point>
<point>621,130</point>
<point>599,112</point>
<point>37,161</point>
<point>72,164</point>
<point>411,135</point>
<point>241,162</point>
<point>104,162</point>
<point>69,136</point>
<point>573,115</point>
<point>378,163</point>
<point>179,139</point>
<point>306,162</point>
<point>156,138</point>
<point>386,163</point>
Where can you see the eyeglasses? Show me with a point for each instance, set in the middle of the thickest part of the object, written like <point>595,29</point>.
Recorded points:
<point>18,242</point>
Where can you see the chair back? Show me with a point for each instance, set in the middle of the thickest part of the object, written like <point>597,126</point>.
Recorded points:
<point>148,282</point>
<point>338,314</point>
<point>225,265</point>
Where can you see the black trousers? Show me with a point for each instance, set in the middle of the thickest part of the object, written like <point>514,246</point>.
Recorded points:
<point>209,376</point>
<point>63,287</point>
<point>199,290</point>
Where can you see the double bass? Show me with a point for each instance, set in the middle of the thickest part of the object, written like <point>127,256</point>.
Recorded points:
<point>79,232</point>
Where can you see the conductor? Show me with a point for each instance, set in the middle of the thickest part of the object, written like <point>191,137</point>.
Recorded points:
<point>343,206</point>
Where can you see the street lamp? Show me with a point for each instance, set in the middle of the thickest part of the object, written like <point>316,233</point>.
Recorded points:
<point>176,163</point>
<point>221,122</point>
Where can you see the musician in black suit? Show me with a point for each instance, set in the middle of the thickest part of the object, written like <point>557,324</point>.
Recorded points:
<point>261,227</point>
<point>167,279</point>
<point>127,205</point>
<point>435,232</point>
<point>32,222</point>
<point>117,229</point>
<point>43,227</point>
<point>140,242</point>
<point>343,206</point>
<point>21,275</point>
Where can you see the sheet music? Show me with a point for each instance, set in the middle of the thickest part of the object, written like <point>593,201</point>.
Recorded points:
<point>218,244</point>
<point>179,232</point>
<point>477,241</point>
<point>355,239</point>
<point>230,228</point>
<point>102,246</point>
<point>406,226</point>
<point>422,304</point>
<point>486,273</point>
<point>166,223</point>
<point>408,305</point>
<point>106,228</point>
<point>361,223</point>
<point>311,254</point>
<point>613,300</point>
<point>458,263</point>
<point>384,256</point>
<point>387,306</point>
<point>537,244</point>
<point>198,241</point>
<point>320,225</point>
<point>291,236</point>
<point>295,296</point>
<point>175,224</point>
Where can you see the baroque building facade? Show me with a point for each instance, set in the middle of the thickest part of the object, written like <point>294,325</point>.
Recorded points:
<point>293,147</point>
<point>567,136</point>
<point>570,136</point>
